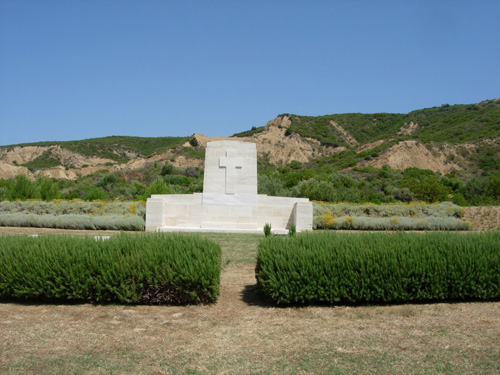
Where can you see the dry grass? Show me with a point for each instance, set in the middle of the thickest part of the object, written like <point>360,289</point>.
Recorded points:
<point>240,334</point>
<point>483,218</point>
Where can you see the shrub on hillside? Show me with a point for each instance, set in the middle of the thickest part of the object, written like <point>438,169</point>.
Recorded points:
<point>146,269</point>
<point>379,267</point>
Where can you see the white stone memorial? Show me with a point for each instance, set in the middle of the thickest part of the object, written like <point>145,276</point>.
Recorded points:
<point>229,202</point>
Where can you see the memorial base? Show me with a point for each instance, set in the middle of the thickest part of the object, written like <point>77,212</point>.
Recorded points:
<point>227,213</point>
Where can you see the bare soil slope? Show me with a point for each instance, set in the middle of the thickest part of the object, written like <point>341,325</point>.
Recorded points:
<point>276,147</point>
<point>407,154</point>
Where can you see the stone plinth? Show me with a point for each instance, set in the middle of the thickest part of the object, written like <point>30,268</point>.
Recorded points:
<point>229,202</point>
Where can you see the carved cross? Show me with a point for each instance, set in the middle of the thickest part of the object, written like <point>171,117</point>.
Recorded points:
<point>233,167</point>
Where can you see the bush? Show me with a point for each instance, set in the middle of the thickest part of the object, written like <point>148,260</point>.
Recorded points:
<point>193,142</point>
<point>412,216</point>
<point>108,222</point>
<point>73,215</point>
<point>378,267</point>
<point>76,207</point>
<point>145,269</point>
<point>267,230</point>
<point>389,223</point>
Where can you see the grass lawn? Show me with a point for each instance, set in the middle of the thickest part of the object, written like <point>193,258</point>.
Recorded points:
<point>241,334</point>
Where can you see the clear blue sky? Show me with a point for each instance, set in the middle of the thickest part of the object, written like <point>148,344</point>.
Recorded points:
<point>82,69</point>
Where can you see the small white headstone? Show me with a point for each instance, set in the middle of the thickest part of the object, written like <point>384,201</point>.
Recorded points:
<point>101,238</point>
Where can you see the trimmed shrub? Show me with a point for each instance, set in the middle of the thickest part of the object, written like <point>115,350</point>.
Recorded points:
<point>389,223</point>
<point>143,269</point>
<point>379,267</point>
<point>74,215</point>
<point>412,216</point>
<point>108,222</point>
<point>77,207</point>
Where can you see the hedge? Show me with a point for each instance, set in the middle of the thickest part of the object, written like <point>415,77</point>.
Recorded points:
<point>142,269</point>
<point>379,267</point>
<point>74,214</point>
<point>70,221</point>
<point>409,216</point>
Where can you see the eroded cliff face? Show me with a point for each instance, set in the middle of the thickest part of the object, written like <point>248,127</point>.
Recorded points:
<point>274,144</point>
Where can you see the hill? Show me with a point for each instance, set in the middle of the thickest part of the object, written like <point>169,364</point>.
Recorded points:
<point>460,139</point>
<point>459,143</point>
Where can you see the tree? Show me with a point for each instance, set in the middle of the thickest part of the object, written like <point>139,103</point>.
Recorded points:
<point>427,188</point>
<point>22,188</point>
<point>194,142</point>
<point>47,189</point>
<point>494,185</point>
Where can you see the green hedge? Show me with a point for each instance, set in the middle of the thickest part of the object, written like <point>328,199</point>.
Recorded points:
<point>379,267</point>
<point>142,269</point>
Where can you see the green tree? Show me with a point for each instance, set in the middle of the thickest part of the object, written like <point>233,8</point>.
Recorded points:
<point>193,142</point>
<point>22,188</point>
<point>159,186</point>
<point>476,190</point>
<point>271,185</point>
<point>47,188</point>
<point>425,185</point>
<point>96,193</point>
<point>494,185</point>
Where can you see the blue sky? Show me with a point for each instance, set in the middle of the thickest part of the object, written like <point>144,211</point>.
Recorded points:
<point>82,69</point>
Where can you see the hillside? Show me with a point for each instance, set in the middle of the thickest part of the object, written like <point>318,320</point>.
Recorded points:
<point>360,156</point>
<point>461,139</point>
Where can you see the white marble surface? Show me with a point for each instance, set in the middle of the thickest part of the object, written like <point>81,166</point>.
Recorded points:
<point>229,202</point>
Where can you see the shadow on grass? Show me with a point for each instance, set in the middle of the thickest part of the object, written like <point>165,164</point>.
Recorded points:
<point>252,296</point>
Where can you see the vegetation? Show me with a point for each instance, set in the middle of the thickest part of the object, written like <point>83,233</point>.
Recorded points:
<point>452,124</point>
<point>326,268</point>
<point>108,222</point>
<point>156,178</point>
<point>54,338</point>
<point>46,160</point>
<point>363,127</point>
<point>314,181</point>
<point>74,215</point>
<point>147,269</point>
<point>411,216</point>
<point>458,123</point>
<point>267,229</point>
<point>118,148</point>
<point>378,185</point>
<point>250,132</point>
<point>331,178</point>
<point>75,207</point>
